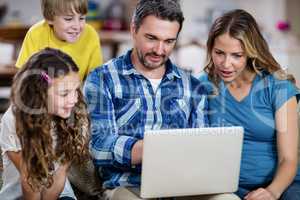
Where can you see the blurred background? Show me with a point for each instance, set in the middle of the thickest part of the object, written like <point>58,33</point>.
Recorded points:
<point>279,21</point>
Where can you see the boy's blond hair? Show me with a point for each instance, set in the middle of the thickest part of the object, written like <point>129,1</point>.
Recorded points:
<point>51,8</point>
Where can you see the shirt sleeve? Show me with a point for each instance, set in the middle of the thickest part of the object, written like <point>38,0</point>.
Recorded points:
<point>199,105</point>
<point>107,147</point>
<point>282,91</point>
<point>27,49</point>
<point>9,140</point>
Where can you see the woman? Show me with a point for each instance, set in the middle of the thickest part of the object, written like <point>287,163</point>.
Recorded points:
<point>249,88</point>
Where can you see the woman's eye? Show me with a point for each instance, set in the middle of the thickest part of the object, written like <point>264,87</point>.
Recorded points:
<point>237,55</point>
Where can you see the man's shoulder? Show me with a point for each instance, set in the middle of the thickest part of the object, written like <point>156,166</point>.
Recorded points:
<point>113,65</point>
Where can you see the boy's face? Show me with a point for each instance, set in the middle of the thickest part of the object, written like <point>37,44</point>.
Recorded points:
<point>68,27</point>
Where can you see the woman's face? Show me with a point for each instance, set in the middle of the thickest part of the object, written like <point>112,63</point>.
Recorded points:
<point>62,95</point>
<point>229,58</point>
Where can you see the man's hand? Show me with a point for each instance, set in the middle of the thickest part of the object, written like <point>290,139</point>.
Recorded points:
<point>137,153</point>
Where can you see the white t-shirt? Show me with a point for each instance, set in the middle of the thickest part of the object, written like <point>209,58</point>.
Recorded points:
<point>155,83</point>
<point>9,141</point>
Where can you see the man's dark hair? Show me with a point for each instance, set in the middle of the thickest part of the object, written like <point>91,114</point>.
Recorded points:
<point>163,9</point>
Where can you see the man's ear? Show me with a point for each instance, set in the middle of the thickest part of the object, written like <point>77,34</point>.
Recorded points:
<point>132,28</point>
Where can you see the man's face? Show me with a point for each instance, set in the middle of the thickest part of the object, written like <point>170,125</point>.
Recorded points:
<point>154,41</point>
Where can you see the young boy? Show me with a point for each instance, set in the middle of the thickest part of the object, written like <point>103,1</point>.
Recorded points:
<point>64,28</point>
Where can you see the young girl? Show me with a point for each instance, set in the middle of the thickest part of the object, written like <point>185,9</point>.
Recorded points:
<point>44,130</point>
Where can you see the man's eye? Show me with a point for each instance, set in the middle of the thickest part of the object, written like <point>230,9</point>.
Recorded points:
<point>170,41</point>
<point>150,38</point>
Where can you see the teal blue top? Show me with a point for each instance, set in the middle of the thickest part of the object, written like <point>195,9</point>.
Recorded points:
<point>256,113</point>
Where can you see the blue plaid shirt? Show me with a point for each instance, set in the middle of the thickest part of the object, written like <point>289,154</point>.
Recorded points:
<point>122,105</point>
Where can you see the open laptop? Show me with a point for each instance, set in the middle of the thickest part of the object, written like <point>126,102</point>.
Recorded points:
<point>184,162</point>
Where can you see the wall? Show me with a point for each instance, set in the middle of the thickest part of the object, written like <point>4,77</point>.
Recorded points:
<point>284,46</point>
<point>200,13</point>
<point>29,11</point>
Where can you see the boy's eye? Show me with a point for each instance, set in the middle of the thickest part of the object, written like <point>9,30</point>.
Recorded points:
<point>82,18</point>
<point>68,18</point>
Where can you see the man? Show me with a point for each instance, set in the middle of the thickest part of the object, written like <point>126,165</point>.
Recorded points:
<point>138,91</point>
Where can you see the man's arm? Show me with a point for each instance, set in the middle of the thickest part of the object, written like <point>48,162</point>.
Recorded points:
<point>199,105</point>
<point>107,147</point>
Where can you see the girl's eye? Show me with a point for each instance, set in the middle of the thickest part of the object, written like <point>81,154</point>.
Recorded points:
<point>64,94</point>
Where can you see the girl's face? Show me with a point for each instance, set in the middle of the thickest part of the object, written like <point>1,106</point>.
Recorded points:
<point>229,58</point>
<point>68,27</point>
<point>62,95</point>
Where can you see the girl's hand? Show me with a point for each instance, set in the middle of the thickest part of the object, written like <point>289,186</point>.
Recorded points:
<point>260,194</point>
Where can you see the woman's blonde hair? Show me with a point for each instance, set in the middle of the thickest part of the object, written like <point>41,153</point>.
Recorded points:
<point>35,126</point>
<point>51,8</point>
<point>240,25</point>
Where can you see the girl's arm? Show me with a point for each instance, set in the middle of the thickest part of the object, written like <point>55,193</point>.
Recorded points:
<point>287,145</point>
<point>58,185</point>
<point>28,193</point>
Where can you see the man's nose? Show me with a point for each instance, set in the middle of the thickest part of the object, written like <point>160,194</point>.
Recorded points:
<point>160,48</point>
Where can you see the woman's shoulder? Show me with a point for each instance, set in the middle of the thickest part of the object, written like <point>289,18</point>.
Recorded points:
<point>277,81</point>
<point>280,87</point>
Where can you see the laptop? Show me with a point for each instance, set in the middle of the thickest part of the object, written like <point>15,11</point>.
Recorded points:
<point>187,162</point>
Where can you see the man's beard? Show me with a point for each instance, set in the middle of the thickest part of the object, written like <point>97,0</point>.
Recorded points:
<point>143,61</point>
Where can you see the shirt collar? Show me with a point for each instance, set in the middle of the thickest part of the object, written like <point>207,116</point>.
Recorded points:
<point>128,68</point>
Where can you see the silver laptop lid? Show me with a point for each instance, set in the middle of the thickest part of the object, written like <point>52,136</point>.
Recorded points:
<point>182,162</point>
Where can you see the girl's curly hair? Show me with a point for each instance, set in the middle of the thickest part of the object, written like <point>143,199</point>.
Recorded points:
<point>47,139</point>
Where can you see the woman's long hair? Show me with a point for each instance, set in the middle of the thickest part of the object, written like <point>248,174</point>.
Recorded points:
<point>36,128</point>
<point>240,25</point>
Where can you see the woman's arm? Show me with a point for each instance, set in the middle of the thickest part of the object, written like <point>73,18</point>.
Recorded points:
<point>287,145</point>
<point>58,185</point>
<point>17,160</point>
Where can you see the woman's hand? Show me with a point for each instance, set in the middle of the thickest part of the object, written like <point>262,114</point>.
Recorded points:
<point>260,194</point>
